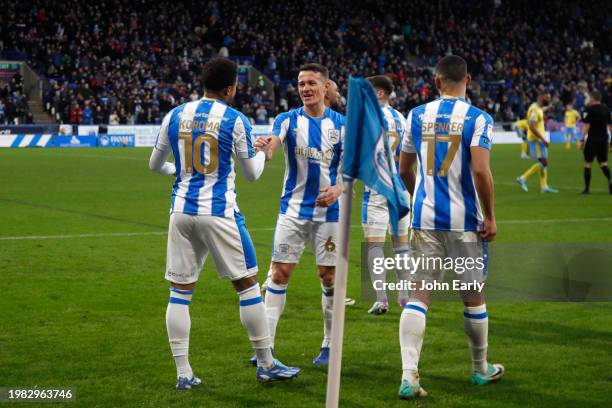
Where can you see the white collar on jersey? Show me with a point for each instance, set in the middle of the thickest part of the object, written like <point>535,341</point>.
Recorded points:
<point>207,98</point>
<point>451,97</point>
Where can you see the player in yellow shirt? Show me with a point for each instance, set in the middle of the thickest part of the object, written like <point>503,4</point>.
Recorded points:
<point>538,146</point>
<point>521,126</point>
<point>571,117</point>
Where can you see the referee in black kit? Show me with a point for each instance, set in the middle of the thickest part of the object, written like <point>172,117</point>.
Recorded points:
<point>596,121</point>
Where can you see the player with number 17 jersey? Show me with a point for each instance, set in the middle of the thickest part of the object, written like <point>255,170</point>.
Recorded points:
<point>441,133</point>
<point>453,217</point>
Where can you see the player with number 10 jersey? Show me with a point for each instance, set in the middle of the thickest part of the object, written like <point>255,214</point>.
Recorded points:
<point>205,137</point>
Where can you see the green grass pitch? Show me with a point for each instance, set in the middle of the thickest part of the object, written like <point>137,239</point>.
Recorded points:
<point>87,311</point>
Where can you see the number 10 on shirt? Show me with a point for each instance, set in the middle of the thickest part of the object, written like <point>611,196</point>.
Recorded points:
<point>194,148</point>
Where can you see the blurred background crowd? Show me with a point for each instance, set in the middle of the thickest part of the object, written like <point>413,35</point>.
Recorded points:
<point>130,62</point>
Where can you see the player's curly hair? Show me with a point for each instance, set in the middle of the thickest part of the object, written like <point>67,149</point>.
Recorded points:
<point>219,73</point>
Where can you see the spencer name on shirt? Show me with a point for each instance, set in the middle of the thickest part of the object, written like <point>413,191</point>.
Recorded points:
<point>442,127</point>
<point>314,154</point>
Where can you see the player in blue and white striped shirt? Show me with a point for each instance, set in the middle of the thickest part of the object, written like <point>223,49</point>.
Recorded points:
<point>374,211</point>
<point>204,136</point>
<point>312,138</point>
<point>451,140</point>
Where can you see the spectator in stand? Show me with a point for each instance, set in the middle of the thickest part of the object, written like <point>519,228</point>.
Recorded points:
<point>87,114</point>
<point>129,51</point>
<point>76,114</point>
<point>261,115</point>
<point>2,112</point>
<point>113,118</point>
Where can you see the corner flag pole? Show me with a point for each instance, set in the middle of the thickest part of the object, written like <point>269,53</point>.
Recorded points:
<point>335,361</point>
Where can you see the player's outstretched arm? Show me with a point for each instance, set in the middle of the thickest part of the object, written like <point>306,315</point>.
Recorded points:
<point>483,179</point>
<point>267,144</point>
<point>158,162</point>
<point>252,167</point>
<point>406,170</point>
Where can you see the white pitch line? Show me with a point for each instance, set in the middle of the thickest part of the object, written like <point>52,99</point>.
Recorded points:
<point>136,234</point>
<point>70,236</point>
<point>95,156</point>
<point>554,220</point>
<point>576,188</point>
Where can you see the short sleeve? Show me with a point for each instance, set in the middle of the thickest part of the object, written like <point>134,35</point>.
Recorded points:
<point>586,117</point>
<point>241,135</point>
<point>407,143</point>
<point>163,141</point>
<point>281,126</point>
<point>483,132</point>
<point>533,116</point>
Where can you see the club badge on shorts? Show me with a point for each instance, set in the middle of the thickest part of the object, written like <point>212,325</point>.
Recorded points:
<point>330,246</point>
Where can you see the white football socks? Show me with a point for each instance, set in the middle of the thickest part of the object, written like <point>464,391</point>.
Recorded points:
<point>402,249</point>
<point>411,332</point>
<point>327,305</point>
<point>376,250</point>
<point>178,324</point>
<point>476,325</point>
<point>276,296</point>
<point>253,318</point>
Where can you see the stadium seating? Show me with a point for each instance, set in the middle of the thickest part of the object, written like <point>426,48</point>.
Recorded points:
<point>128,62</point>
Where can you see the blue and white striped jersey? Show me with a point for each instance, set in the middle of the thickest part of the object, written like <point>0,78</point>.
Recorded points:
<point>204,135</point>
<point>313,153</point>
<point>395,125</point>
<point>442,132</point>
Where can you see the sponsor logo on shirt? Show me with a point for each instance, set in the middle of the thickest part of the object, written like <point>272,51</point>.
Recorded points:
<point>314,154</point>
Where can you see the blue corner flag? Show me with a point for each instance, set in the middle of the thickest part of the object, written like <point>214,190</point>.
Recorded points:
<point>367,154</point>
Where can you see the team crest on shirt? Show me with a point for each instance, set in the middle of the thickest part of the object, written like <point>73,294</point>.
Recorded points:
<point>333,135</point>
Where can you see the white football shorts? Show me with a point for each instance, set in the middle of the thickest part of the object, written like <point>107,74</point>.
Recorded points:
<point>375,217</point>
<point>291,235</point>
<point>463,253</point>
<point>192,237</point>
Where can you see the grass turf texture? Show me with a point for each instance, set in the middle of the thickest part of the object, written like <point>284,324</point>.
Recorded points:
<point>88,312</point>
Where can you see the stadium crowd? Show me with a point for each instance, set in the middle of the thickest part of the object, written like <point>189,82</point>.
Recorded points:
<point>119,61</point>
<point>14,102</point>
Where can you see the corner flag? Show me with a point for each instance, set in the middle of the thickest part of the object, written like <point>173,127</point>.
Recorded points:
<point>368,157</point>
<point>367,154</point>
